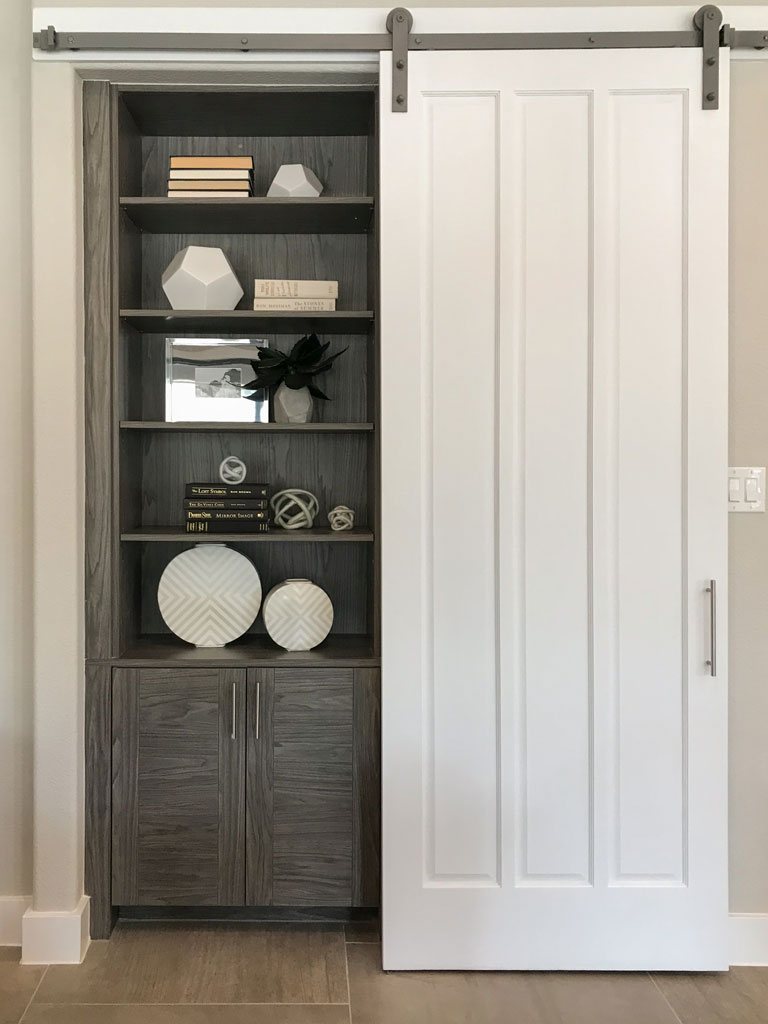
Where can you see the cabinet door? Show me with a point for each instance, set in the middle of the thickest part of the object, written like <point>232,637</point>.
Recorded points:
<point>178,778</point>
<point>313,787</point>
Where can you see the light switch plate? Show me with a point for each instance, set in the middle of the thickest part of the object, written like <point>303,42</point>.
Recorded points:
<point>746,489</point>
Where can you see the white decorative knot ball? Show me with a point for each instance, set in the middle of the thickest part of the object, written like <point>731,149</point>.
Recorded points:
<point>294,509</point>
<point>341,518</point>
<point>232,470</point>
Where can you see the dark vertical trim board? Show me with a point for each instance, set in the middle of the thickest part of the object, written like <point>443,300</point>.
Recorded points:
<point>125,791</point>
<point>366,804</point>
<point>99,272</point>
<point>98,798</point>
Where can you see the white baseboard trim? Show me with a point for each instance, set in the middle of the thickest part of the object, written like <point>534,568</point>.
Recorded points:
<point>12,910</point>
<point>56,936</point>
<point>748,940</point>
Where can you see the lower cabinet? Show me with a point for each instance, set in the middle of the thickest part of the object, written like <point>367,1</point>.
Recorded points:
<point>236,787</point>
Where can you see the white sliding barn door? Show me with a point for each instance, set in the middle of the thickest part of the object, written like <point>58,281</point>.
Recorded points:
<point>554,426</point>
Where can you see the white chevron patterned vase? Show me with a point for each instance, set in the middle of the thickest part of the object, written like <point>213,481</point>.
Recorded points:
<point>209,595</point>
<point>298,615</point>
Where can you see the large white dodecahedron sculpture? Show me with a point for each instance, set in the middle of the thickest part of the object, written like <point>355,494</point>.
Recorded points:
<point>201,277</point>
<point>295,181</point>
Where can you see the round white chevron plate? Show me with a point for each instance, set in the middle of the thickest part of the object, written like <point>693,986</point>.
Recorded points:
<point>298,615</point>
<point>209,595</point>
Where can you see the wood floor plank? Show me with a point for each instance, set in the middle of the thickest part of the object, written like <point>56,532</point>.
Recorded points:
<point>428,997</point>
<point>206,963</point>
<point>739,996</point>
<point>17,985</point>
<point>77,1013</point>
<point>362,931</point>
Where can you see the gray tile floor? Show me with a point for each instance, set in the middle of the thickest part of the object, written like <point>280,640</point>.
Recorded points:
<point>282,974</point>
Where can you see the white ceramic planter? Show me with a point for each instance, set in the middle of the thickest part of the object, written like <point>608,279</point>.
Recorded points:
<point>293,405</point>
<point>298,615</point>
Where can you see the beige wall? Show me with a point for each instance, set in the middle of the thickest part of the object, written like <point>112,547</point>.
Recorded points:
<point>749,445</point>
<point>15,455</point>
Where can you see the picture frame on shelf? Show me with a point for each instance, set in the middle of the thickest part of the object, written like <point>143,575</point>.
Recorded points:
<point>205,381</point>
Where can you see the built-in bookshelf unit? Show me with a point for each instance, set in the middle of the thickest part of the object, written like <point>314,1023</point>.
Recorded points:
<point>332,237</point>
<point>137,466</point>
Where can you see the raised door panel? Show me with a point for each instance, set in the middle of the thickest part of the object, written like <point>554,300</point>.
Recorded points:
<point>178,787</point>
<point>313,802</point>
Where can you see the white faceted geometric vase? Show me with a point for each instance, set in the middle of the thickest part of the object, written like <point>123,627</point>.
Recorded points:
<point>209,595</point>
<point>298,615</point>
<point>201,277</point>
<point>295,181</point>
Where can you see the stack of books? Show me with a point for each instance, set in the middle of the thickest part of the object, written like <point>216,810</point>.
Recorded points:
<point>209,177</point>
<point>227,508</point>
<point>298,296</point>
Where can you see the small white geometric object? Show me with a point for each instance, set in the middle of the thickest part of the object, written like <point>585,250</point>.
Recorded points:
<point>298,615</point>
<point>232,470</point>
<point>341,518</point>
<point>201,277</point>
<point>295,181</point>
<point>209,595</point>
<point>294,509</point>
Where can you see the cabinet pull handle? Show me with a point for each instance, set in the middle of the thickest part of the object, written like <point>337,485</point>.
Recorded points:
<point>258,707</point>
<point>234,711</point>
<point>712,661</point>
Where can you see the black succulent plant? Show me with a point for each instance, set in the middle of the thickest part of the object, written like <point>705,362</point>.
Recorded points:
<point>295,369</point>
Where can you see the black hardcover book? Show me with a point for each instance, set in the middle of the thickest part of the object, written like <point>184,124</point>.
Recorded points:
<point>227,515</point>
<point>209,526</point>
<point>227,491</point>
<point>225,503</point>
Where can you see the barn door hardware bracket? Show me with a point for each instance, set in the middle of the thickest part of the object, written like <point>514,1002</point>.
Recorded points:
<point>46,39</point>
<point>708,20</point>
<point>399,24</point>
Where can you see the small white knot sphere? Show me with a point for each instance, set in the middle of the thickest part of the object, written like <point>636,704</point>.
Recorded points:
<point>294,509</point>
<point>232,470</point>
<point>341,518</point>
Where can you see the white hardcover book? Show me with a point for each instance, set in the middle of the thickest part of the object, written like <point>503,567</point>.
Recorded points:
<point>282,289</point>
<point>227,174</point>
<point>180,193</point>
<point>295,305</point>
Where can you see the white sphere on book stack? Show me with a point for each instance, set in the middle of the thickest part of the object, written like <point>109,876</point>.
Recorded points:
<point>201,277</point>
<point>298,615</point>
<point>295,181</point>
<point>209,595</point>
<point>232,470</point>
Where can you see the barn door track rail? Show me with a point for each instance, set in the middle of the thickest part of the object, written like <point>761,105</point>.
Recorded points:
<point>707,33</point>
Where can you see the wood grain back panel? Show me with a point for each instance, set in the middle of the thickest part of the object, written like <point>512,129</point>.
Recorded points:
<point>342,570</point>
<point>340,161</point>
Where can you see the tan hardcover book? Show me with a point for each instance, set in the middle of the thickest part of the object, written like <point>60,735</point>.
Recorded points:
<point>206,162</point>
<point>228,173</point>
<point>202,186</point>
<point>295,305</point>
<point>209,194</point>
<point>277,289</point>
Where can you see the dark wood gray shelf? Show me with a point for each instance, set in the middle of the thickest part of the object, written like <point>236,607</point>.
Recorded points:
<point>164,534</point>
<point>156,321</point>
<point>247,111</point>
<point>248,428</point>
<point>160,651</point>
<point>340,215</point>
